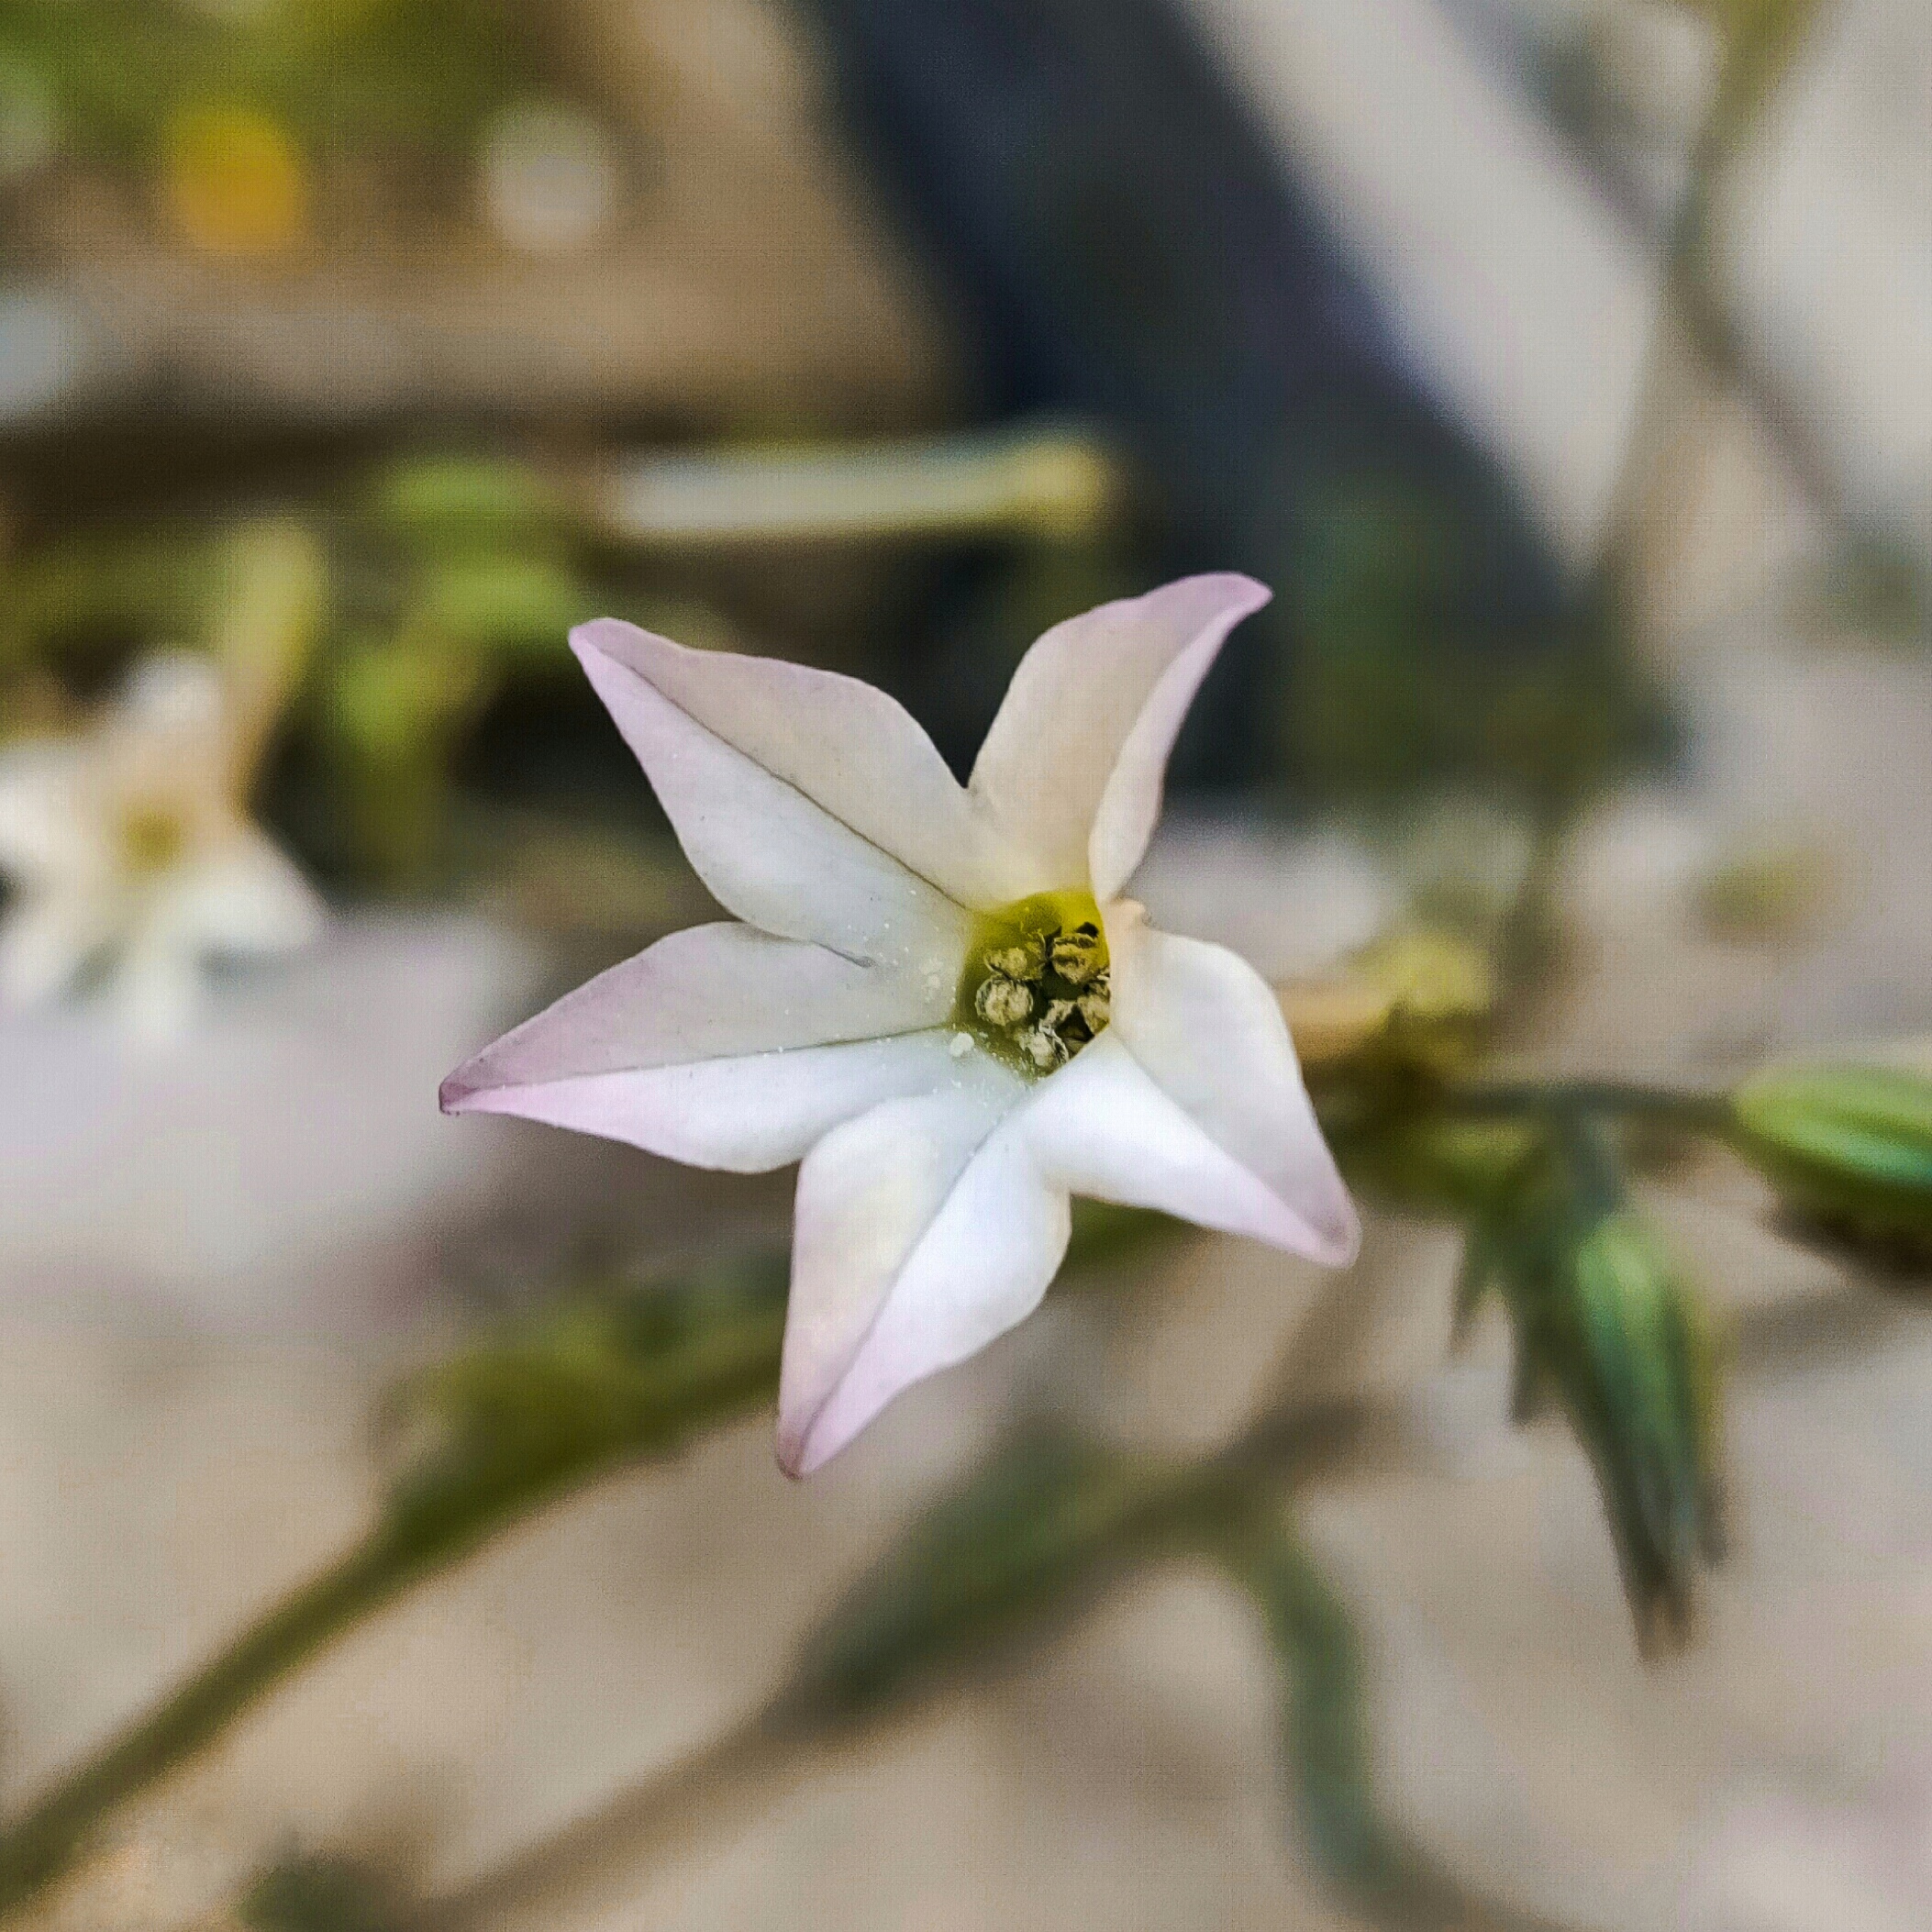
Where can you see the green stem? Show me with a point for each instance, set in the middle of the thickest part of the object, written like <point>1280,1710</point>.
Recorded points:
<point>1756,60</point>
<point>429,1522</point>
<point>40,1845</point>
<point>1700,1110</point>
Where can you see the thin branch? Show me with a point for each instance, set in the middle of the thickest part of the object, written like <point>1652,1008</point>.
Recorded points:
<point>1701,1110</point>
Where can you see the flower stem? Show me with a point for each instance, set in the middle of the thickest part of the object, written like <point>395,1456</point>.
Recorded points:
<point>1698,1109</point>
<point>443,1511</point>
<point>40,1846</point>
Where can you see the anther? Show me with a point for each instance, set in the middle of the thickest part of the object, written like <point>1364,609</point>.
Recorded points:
<point>1026,961</point>
<point>1077,954</point>
<point>1000,1002</point>
<point>1045,1048</point>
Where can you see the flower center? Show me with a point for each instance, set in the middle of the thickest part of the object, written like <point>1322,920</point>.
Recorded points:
<point>1035,988</point>
<point>152,838</point>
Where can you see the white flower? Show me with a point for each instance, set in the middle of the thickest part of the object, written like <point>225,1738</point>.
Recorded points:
<point>847,1019</point>
<point>128,842</point>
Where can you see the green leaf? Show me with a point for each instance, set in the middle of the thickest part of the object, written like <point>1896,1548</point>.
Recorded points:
<point>449,503</point>
<point>502,602</point>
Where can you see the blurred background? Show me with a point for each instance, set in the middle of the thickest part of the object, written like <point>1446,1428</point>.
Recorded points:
<point>1566,368</point>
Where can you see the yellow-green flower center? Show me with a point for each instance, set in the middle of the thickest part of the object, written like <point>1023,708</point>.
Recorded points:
<point>1036,986</point>
<point>152,838</point>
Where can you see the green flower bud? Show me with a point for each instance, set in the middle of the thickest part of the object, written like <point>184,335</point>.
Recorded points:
<point>1849,1148</point>
<point>1607,1326</point>
<point>1613,1332</point>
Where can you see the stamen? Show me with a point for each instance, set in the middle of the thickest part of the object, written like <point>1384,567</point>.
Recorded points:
<point>1002,1001</point>
<point>1026,961</point>
<point>1035,988</point>
<point>1079,955</point>
<point>1045,1048</point>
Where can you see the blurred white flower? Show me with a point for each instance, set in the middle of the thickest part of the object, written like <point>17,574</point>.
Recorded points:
<point>128,844</point>
<point>936,996</point>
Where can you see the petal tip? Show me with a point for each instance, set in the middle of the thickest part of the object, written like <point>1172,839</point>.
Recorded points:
<point>793,1451</point>
<point>597,635</point>
<point>1341,1239</point>
<point>458,1094</point>
<point>1249,592</point>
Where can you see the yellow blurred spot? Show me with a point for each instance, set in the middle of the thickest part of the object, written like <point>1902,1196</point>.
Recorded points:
<point>235,181</point>
<point>152,838</point>
<point>1778,892</point>
<point>1418,1001</point>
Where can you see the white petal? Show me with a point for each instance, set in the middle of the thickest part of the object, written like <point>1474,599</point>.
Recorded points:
<point>721,1046</point>
<point>746,1116</point>
<point>245,896</point>
<point>927,1229</point>
<point>1073,768</point>
<point>811,804</point>
<point>45,833</point>
<point>46,939</point>
<point>156,990</point>
<point>1205,1027</point>
<point>922,1232</point>
<point>1103,1127</point>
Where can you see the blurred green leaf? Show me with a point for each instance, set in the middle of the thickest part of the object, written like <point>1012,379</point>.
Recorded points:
<point>502,602</point>
<point>1761,38</point>
<point>461,503</point>
<point>574,1390</point>
<point>1771,894</point>
<point>1434,1164</point>
<point>1849,1148</point>
<point>393,709</point>
<point>270,610</point>
<point>88,601</point>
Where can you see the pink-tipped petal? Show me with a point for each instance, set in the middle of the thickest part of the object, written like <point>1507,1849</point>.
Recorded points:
<point>921,1233</point>
<point>1209,1031</point>
<point>928,1227</point>
<point>1072,769</point>
<point>1104,1128</point>
<point>812,804</point>
<point>745,1117</point>
<point>719,1046</point>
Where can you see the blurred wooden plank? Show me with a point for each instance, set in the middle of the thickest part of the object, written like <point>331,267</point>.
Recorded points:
<point>746,278</point>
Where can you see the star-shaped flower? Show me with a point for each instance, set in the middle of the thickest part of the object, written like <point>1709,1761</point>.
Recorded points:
<point>128,841</point>
<point>933,995</point>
